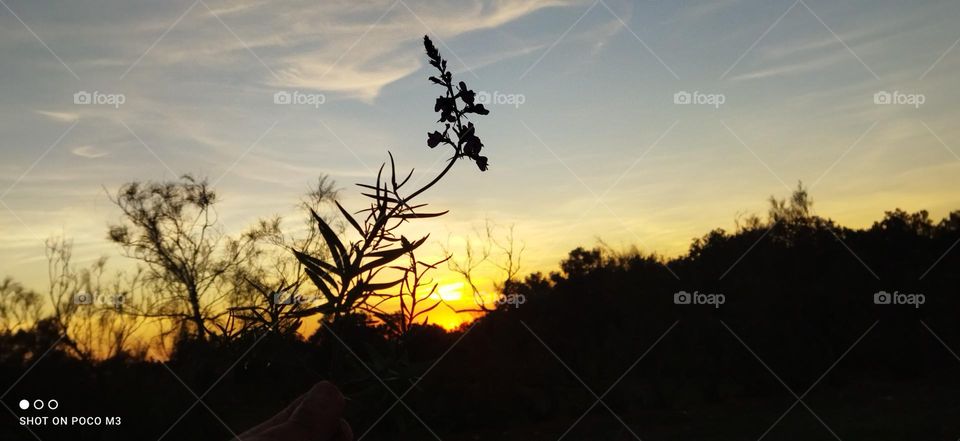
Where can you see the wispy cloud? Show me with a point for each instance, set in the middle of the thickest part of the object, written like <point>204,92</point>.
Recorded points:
<point>352,51</point>
<point>797,68</point>
<point>386,51</point>
<point>89,152</point>
<point>68,117</point>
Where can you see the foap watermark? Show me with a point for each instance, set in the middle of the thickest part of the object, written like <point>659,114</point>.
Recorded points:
<point>884,97</point>
<point>696,97</point>
<point>98,98</point>
<point>698,298</point>
<point>298,98</point>
<point>85,298</point>
<point>514,300</point>
<point>898,298</point>
<point>498,98</point>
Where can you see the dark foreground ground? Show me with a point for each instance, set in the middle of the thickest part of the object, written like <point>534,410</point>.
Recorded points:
<point>920,409</point>
<point>906,411</point>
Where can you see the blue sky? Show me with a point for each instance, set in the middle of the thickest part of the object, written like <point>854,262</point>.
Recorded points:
<point>598,148</point>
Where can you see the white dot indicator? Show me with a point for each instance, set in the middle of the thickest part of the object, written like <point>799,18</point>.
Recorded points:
<point>24,404</point>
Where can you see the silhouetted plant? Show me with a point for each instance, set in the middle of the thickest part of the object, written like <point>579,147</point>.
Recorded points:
<point>416,297</point>
<point>93,330</point>
<point>488,249</point>
<point>266,290</point>
<point>172,228</point>
<point>356,277</point>
<point>19,306</point>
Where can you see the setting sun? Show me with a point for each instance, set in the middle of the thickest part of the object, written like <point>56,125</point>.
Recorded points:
<point>449,292</point>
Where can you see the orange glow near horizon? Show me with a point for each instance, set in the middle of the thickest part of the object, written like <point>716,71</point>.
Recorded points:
<point>453,293</point>
<point>456,296</point>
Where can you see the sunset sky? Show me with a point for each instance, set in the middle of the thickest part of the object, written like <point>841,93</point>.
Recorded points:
<point>585,138</point>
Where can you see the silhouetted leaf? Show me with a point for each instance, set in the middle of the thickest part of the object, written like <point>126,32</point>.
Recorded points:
<point>408,246</point>
<point>381,197</point>
<point>360,184</point>
<point>319,282</point>
<point>422,215</point>
<point>393,171</point>
<point>320,267</point>
<point>350,218</point>
<point>336,247</point>
<point>404,181</point>
<point>381,286</point>
<point>386,257</point>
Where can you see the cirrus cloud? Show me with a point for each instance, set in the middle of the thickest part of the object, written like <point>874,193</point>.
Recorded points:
<point>89,152</point>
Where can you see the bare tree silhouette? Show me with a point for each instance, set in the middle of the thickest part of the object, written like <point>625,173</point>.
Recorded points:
<point>19,307</point>
<point>172,228</point>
